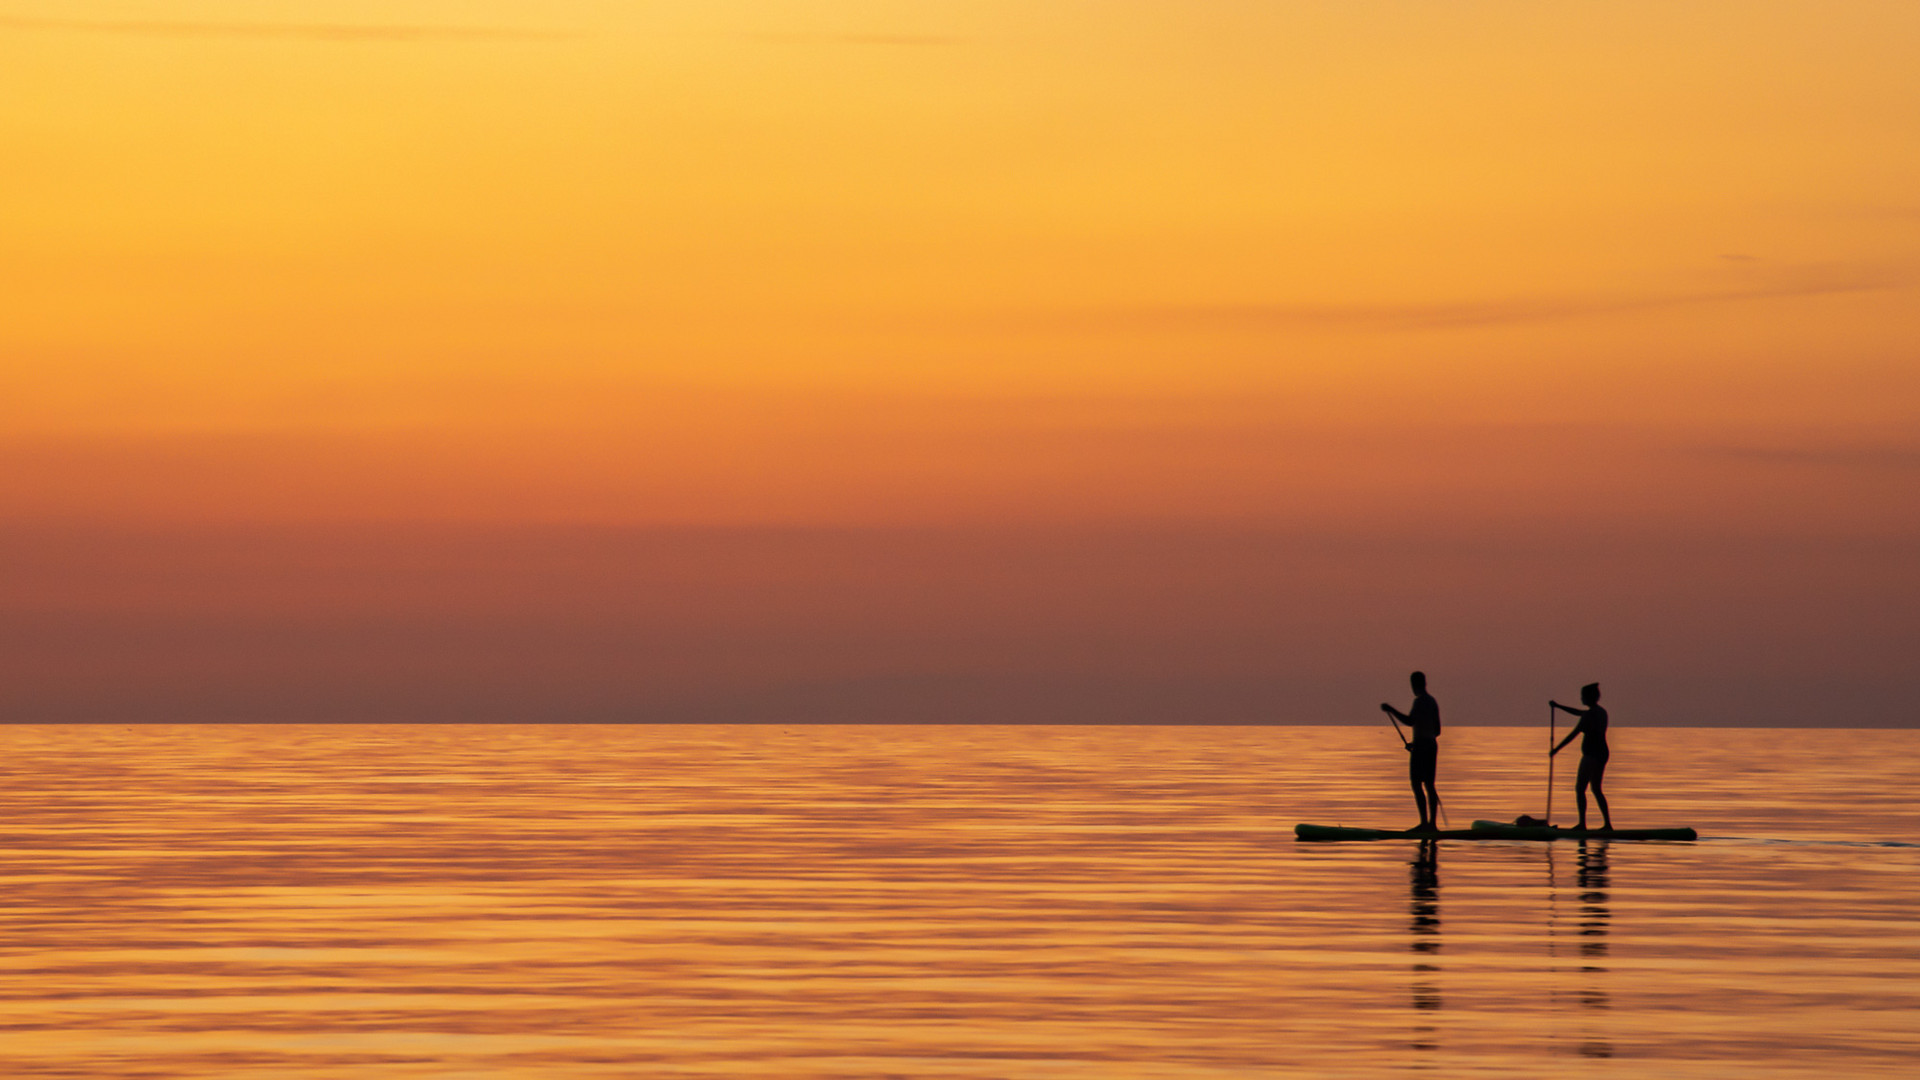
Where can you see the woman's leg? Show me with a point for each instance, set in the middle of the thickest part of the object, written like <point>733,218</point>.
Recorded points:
<point>1580,789</point>
<point>1599,775</point>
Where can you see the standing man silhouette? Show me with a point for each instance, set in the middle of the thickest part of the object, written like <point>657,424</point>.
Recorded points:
<point>1424,719</point>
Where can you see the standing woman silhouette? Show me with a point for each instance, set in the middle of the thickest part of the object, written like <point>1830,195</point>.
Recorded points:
<point>1593,751</point>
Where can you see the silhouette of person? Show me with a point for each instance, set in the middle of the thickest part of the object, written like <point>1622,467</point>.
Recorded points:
<point>1424,719</point>
<point>1593,752</point>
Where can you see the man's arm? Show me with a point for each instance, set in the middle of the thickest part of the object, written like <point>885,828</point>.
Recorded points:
<point>1403,718</point>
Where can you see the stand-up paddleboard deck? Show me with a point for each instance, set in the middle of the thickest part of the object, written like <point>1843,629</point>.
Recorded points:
<point>1341,832</point>
<point>1487,830</point>
<point>1500,830</point>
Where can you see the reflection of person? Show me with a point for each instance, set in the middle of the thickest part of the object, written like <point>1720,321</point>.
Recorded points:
<point>1424,898</point>
<point>1423,903</point>
<point>1592,878</point>
<point>1593,751</point>
<point>1424,719</point>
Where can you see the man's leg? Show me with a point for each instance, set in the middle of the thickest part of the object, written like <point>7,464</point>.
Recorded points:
<point>1420,800</point>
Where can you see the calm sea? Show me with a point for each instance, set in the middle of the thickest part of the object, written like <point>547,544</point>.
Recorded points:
<point>813,902</point>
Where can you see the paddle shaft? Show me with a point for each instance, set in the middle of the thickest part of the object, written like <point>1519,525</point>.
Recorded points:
<point>1553,729</point>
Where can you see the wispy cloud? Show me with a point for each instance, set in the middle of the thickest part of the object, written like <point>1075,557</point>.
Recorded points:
<point>908,40</point>
<point>1468,314</point>
<point>1884,211</point>
<point>337,32</point>
<point>1852,457</point>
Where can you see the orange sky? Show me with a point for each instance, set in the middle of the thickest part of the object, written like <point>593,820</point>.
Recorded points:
<point>1249,268</point>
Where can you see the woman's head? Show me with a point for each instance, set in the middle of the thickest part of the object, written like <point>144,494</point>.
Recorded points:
<point>1590,693</point>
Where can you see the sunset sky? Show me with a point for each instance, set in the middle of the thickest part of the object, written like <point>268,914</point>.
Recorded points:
<point>811,360</point>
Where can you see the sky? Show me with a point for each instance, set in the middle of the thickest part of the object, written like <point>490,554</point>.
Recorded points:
<point>791,360</point>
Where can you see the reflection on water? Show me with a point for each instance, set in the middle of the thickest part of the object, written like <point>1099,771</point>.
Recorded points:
<point>395,903</point>
<point>1594,917</point>
<point>1590,878</point>
<point>1424,904</point>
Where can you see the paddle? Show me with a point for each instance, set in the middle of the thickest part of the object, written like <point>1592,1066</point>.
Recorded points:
<point>1553,718</point>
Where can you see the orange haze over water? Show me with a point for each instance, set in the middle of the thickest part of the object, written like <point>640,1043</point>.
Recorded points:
<point>875,360</point>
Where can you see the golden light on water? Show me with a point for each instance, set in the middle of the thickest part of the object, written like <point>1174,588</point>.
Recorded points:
<point>589,901</point>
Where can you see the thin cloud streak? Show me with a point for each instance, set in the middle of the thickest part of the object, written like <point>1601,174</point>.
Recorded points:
<point>1873,458</point>
<point>1482,313</point>
<point>334,32</point>
<point>908,40</point>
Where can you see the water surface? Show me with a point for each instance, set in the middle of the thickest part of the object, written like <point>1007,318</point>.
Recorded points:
<point>966,902</point>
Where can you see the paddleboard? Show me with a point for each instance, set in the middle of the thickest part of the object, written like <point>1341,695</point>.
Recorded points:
<point>1500,830</point>
<point>1341,832</point>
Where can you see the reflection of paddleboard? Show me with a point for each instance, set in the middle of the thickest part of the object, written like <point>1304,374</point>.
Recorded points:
<point>1341,832</point>
<point>1500,830</point>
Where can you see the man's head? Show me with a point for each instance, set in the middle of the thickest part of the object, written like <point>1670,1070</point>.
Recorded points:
<point>1590,693</point>
<point>1419,681</point>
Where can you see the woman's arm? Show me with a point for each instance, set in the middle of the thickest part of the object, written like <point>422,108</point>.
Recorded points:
<point>1576,730</point>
